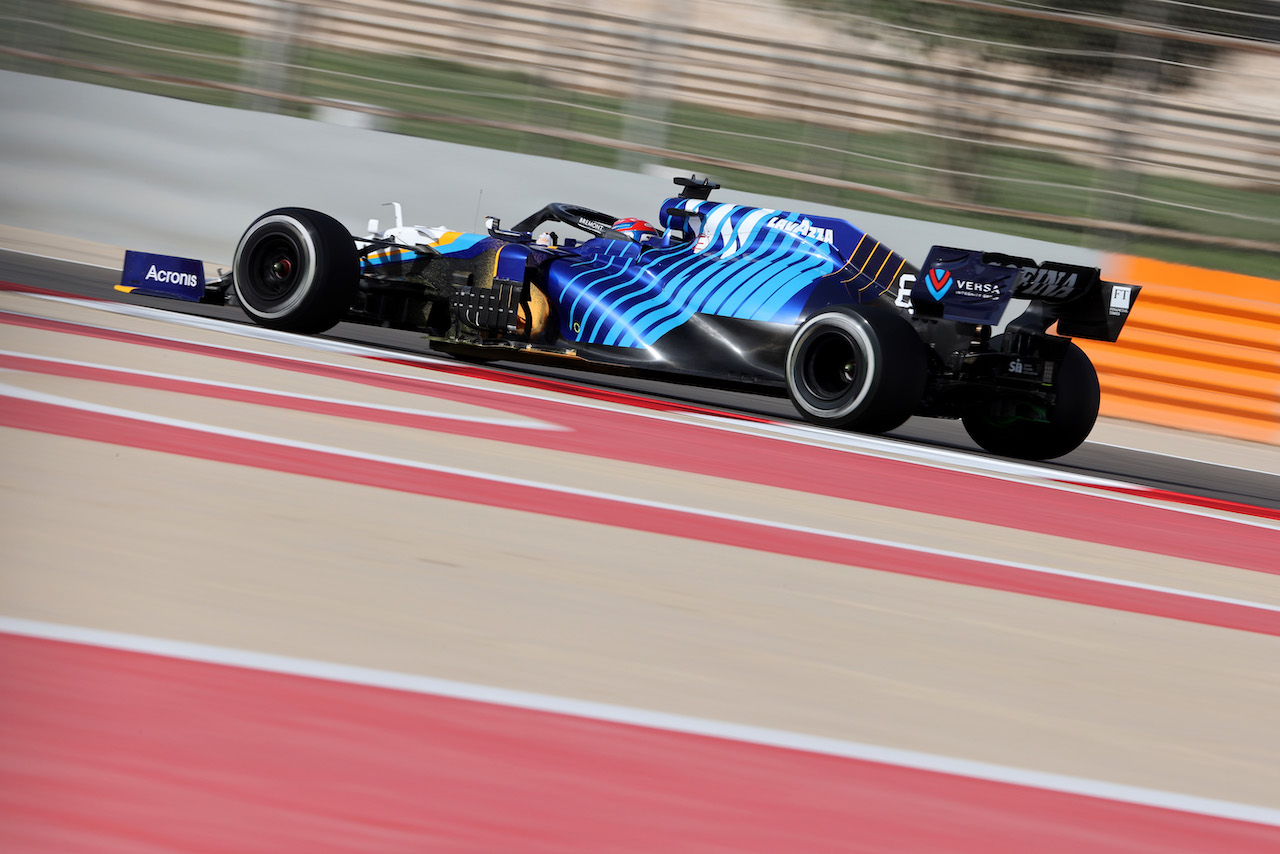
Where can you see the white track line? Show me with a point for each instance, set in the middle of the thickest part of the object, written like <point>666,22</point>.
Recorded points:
<point>213,324</point>
<point>1180,458</point>
<point>513,422</point>
<point>640,717</point>
<point>1041,476</point>
<point>56,400</point>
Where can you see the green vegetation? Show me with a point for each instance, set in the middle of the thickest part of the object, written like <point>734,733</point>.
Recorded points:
<point>494,109</point>
<point>1069,39</point>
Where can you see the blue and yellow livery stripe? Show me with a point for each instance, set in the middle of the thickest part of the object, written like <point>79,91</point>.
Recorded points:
<point>450,243</point>
<point>390,255</point>
<point>455,242</point>
<point>875,264</point>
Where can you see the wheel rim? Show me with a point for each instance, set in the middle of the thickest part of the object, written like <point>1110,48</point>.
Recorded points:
<point>831,367</point>
<point>274,262</point>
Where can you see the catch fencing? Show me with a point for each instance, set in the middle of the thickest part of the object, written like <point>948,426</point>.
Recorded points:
<point>904,118</point>
<point>863,112</point>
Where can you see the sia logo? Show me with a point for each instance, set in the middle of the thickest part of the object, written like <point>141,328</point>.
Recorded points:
<point>939,282</point>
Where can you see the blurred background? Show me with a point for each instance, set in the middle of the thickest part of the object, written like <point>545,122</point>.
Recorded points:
<point>1126,129</point>
<point>1150,127</point>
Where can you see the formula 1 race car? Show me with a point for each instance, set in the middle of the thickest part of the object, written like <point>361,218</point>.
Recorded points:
<point>717,294</point>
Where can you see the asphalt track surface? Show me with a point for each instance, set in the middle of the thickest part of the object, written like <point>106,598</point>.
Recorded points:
<point>264,596</point>
<point>1161,467</point>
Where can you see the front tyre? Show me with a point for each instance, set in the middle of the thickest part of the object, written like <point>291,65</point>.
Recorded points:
<point>296,270</point>
<point>1042,434</point>
<point>857,367</point>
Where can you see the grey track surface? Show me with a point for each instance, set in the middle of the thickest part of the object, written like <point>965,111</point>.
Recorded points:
<point>1214,468</point>
<point>173,545</point>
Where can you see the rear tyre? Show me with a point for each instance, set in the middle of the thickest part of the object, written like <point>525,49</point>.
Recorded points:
<point>857,367</point>
<point>1064,427</point>
<point>296,270</point>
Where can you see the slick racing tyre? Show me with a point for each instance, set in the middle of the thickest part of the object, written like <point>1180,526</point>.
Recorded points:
<point>856,367</point>
<point>1042,434</point>
<point>296,270</point>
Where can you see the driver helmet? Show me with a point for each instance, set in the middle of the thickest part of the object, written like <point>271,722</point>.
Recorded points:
<point>636,229</point>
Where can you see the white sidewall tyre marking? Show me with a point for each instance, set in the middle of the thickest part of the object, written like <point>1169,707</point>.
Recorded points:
<point>859,333</point>
<point>308,262</point>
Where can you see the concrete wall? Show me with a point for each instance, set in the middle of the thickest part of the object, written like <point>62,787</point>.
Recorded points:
<point>170,176</point>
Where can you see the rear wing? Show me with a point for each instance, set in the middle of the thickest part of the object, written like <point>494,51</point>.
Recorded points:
<point>966,285</point>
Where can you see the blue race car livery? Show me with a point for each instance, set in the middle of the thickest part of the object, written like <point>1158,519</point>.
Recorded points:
<point>755,265</point>
<point>717,294</point>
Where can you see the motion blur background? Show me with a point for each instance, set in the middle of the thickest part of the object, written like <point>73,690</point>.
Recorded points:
<point>1150,127</point>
